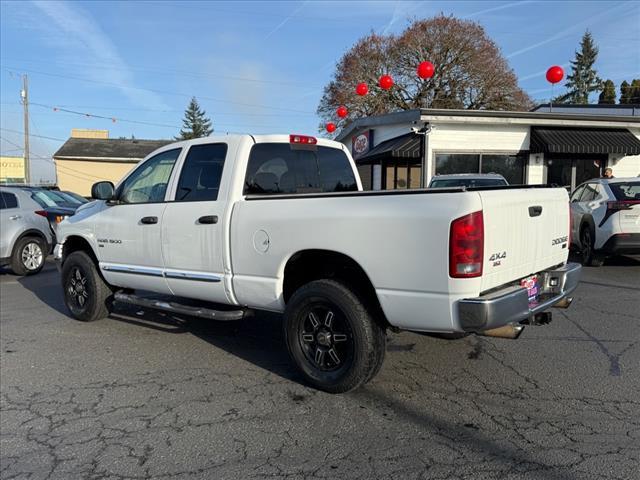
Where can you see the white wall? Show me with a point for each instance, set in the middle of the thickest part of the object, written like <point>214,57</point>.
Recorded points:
<point>628,166</point>
<point>535,169</point>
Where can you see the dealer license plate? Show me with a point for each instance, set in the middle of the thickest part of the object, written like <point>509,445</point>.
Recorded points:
<point>533,290</point>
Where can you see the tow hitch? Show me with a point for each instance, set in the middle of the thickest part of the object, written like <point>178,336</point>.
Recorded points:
<point>542,318</point>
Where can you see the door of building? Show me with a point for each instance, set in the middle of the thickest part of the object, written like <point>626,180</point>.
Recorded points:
<point>571,171</point>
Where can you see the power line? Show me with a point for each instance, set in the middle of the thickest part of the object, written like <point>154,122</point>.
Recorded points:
<point>32,135</point>
<point>165,92</point>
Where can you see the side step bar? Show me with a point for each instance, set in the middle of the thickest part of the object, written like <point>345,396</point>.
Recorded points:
<point>179,308</point>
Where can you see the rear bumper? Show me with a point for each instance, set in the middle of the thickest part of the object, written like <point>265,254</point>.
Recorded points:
<point>511,305</point>
<point>623,244</point>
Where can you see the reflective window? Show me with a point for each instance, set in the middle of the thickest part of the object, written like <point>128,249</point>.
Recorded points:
<point>201,173</point>
<point>575,196</point>
<point>148,183</point>
<point>281,168</point>
<point>590,192</point>
<point>457,163</point>
<point>626,190</point>
<point>511,167</point>
<point>9,200</point>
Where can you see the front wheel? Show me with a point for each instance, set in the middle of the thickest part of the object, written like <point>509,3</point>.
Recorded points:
<point>28,256</point>
<point>332,337</point>
<point>86,295</point>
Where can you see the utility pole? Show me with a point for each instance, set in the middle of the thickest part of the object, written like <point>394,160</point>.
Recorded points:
<point>24,94</point>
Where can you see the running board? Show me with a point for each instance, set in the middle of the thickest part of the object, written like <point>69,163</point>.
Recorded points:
<point>158,303</point>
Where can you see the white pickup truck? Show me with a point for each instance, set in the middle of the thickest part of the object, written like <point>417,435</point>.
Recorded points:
<point>220,226</point>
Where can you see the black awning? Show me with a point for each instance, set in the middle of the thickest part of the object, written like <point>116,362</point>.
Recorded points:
<point>405,146</point>
<point>583,140</point>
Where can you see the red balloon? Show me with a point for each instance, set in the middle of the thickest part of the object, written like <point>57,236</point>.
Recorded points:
<point>342,111</point>
<point>331,127</point>
<point>385,82</point>
<point>425,70</point>
<point>362,89</point>
<point>555,74</point>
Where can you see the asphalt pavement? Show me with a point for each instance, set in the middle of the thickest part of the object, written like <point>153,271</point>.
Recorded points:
<point>147,395</point>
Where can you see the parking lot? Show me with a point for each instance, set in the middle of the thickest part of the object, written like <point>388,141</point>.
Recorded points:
<point>146,395</point>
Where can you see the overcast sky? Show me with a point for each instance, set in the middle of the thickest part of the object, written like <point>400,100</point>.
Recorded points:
<point>254,66</point>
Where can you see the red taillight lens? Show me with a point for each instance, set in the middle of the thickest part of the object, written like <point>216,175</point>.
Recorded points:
<point>302,139</point>
<point>42,213</point>
<point>622,205</point>
<point>466,246</point>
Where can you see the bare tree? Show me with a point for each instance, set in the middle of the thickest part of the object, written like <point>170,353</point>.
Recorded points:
<point>470,72</point>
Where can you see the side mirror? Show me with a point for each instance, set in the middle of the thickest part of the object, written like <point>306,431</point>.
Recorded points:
<point>102,191</point>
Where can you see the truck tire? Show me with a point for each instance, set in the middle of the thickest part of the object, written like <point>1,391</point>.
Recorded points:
<point>87,296</point>
<point>29,254</point>
<point>332,337</point>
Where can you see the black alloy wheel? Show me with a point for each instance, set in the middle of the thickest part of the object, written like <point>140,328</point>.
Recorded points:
<point>325,337</point>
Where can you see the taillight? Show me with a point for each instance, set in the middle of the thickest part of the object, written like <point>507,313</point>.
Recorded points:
<point>302,139</point>
<point>60,218</point>
<point>622,205</point>
<point>466,246</point>
<point>42,213</point>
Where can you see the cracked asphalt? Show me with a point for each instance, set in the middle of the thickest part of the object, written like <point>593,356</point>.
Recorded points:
<point>145,395</point>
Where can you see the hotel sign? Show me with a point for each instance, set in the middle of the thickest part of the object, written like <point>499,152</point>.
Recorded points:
<point>12,168</point>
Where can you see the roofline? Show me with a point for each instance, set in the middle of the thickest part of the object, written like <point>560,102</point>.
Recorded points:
<point>619,106</point>
<point>100,159</point>
<point>425,114</point>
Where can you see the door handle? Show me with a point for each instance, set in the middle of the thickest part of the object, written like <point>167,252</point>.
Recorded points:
<point>208,219</point>
<point>535,211</point>
<point>15,217</point>
<point>149,220</point>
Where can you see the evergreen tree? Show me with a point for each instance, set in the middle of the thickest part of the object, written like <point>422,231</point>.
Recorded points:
<point>635,91</point>
<point>625,92</point>
<point>608,94</point>
<point>195,123</point>
<point>583,79</point>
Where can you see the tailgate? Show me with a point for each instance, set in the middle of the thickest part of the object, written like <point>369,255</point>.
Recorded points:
<point>525,231</point>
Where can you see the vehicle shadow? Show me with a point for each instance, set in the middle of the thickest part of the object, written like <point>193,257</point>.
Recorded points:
<point>257,339</point>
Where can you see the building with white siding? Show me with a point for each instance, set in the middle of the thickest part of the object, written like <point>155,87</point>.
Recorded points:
<point>405,149</point>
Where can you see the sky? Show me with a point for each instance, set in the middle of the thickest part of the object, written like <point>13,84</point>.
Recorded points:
<point>256,67</point>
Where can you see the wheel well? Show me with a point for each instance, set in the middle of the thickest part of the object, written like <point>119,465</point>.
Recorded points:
<point>75,244</point>
<point>308,265</point>
<point>30,233</point>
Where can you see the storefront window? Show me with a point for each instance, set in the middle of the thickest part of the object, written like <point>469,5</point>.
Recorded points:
<point>457,163</point>
<point>511,167</point>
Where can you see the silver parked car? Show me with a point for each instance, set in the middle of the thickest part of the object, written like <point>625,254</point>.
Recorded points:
<point>25,232</point>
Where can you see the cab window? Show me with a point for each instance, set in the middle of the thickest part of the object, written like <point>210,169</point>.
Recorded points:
<point>201,173</point>
<point>278,168</point>
<point>148,183</point>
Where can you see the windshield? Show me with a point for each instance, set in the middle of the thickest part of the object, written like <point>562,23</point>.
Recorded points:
<point>467,182</point>
<point>50,198</point>
<point>626,190</point>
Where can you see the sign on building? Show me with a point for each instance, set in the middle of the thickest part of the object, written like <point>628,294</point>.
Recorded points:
<point>11,169</point>
<point>361,144</point>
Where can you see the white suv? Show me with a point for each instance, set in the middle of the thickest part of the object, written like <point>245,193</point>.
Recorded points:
<point>606,219</point>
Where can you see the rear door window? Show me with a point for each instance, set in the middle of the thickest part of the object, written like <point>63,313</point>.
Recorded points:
<point>9,200</point>
<point>626,191</point>
<point>201,173</point>
<point>277,168</point>
<point>590,192</point>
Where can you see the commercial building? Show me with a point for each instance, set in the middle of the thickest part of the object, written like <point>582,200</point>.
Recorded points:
<point>90,156</point>
<point>405,149</point>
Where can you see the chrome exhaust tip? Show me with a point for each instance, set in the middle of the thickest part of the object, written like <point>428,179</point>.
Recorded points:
<point>564,303</point>
<point>506,331</point>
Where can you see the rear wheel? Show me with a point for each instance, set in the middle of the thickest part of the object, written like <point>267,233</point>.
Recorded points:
<point>87,296</point>
<point>28,256</point>
<point>332,337</point>
<point>589,255</point>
